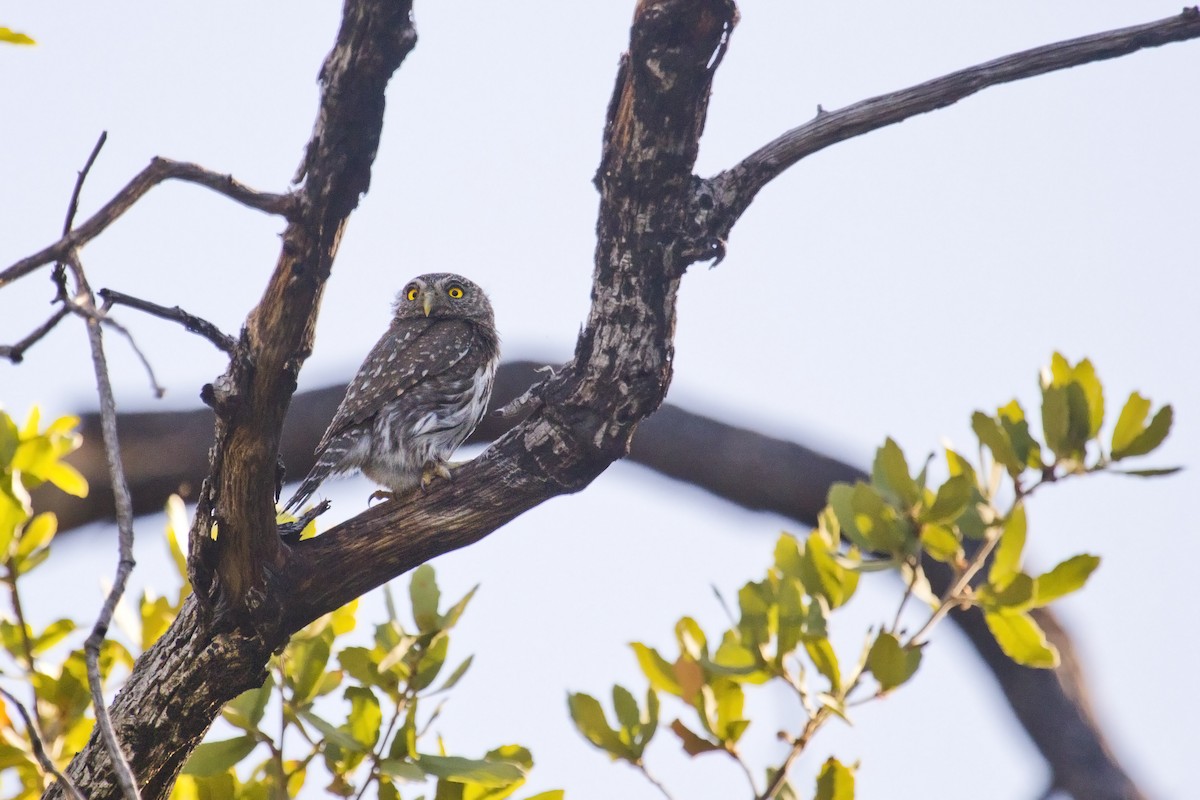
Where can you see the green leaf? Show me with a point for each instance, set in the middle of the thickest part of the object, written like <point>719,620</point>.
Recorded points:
<point>825,660</point>
<point>213,758</point>
<point>589,718</point>
<point>940,543</point>
<point>731,701</point>
<point>431,663</point>
<point>626,707</point>
<point>836,583</point>
<point>402,770</point>
<point>1130,423</point>
<point>1082,375</point>
<point>1016,595</point>
<point>423,591</point>
<point>787,556</point>
<point>952,499</point>
<point>246,710</point>
<point>456,676</point>
<point>1149,473</point>
<point>996,439</point>
<point>304,665</point>
<point>365,716</point>
<point>1021,639</point>
<point>67,478</point>
<point>332,733</point>
<point>1012,420</point>
<point>452,615</point>
<point>1149,439</point>
<point>693,743</point>
<point>754,603</point>
<point>890,473</point>
<point>691,638</point>
<point>835,781</point>
<point>657,669</point>
<point>35,536</point>
<point>12,37</point>
<point>1067,577</point>
<point>54,633</point>
<point>867,520</point>
<point>470,770</point>
<point>1006,562</point>
<point>890,662</point>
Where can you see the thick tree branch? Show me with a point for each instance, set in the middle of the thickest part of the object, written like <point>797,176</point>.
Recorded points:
<point>726,196</point>
<point>159,170</point>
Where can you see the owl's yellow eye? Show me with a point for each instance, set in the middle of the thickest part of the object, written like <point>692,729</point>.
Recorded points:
<point>412,293</point>
<point>455,292</point>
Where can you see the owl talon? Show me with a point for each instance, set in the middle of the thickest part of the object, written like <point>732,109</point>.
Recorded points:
<point>381,494</point>
<point>438,469</point>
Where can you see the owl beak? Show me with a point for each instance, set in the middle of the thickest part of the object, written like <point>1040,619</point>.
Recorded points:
<point>427,301</point>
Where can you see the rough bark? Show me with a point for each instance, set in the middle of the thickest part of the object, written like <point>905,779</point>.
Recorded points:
<point>655,219</point>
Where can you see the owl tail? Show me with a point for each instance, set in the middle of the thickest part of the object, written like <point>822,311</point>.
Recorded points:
<point>329,460</point>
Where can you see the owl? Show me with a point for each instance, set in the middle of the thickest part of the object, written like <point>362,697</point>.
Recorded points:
<point>421,391</point>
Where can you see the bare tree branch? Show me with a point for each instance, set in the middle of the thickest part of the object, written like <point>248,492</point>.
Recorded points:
<point>190,322</point>
<point>16,352</point>
<point>125,563</point>
<point>728,194</point>
<point>159,170</point>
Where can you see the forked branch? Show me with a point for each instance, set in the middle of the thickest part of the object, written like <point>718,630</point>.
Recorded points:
<point>158,171</point>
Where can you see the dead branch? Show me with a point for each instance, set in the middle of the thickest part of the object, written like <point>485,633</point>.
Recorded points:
<point>159,170</point>
<point>726,196</point>
<point>190,322</point>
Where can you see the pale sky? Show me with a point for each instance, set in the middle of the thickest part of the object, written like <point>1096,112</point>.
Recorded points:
<point>889,285</point>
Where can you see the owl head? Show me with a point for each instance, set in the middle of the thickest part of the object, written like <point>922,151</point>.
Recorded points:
<point>443,294</point>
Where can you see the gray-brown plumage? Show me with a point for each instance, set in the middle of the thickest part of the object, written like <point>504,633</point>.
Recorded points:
<point>421,391</point>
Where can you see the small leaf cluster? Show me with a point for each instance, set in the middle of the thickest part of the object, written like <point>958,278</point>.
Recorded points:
<point>385,692</point>
<point>60,702</point>
<point>892,522</point>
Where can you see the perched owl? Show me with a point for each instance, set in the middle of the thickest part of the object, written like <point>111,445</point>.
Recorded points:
<point>419,394</point>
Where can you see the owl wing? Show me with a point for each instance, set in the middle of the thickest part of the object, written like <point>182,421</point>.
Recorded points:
<point>411,351</point>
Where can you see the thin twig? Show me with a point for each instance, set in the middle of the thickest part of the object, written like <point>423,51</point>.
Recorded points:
<point>159,170</point>
<point>73,206</point>
<point>155,386</point>
<point>735,188</point>
<point>124,509</point>
<point>26,644</point>
<point>16,352</point>
<point>39,750</point>
<point>657,783</point>
<point>190,322</point>
<point>59,276</point>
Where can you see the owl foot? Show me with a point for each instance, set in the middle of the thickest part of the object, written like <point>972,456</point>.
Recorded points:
<point>381,494</point>
<point>437,468</point>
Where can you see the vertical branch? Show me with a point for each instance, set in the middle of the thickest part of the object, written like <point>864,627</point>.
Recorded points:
<point>85,303</point>
<point>125,562</point>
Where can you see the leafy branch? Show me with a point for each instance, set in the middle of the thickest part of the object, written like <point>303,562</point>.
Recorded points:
<point>889,523</point>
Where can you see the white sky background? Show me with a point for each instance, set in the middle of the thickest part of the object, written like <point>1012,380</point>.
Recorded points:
<point>887,286</point>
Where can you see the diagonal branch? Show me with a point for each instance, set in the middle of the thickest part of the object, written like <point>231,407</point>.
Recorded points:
<point>202,327</point>
<point>158,171</point>
<point>16,352</point>
<point>729,193</point>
